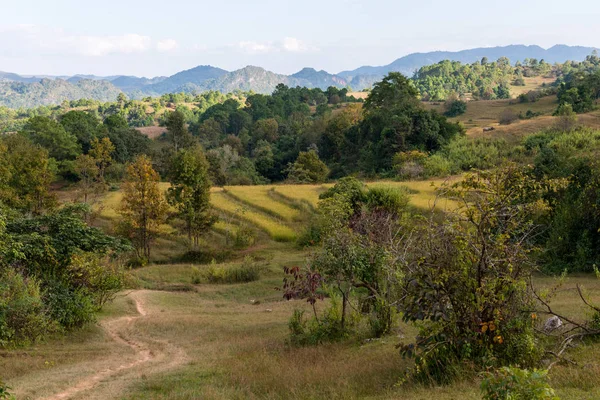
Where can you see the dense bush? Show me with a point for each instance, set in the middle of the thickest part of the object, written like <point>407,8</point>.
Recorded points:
<point>455,108</point>
<point>320,329</point>
<point>514,383</point>
<point>248,271</point>
<point>23,317</point>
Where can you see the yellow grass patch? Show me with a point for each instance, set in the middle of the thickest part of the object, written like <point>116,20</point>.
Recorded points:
<point>276,229</point>
<point>258,197</point>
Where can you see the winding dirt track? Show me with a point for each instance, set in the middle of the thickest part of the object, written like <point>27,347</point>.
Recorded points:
<point>150,355</point>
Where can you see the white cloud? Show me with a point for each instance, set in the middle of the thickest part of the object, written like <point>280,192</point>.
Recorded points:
<point>294,45</point>
<point>167,45</point>
<point>104,45</point>
<point>288,44</point>
<point>47,40</point>
<point>254,47</point>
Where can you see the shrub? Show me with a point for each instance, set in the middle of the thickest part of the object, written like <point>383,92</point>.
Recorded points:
<point>507,117</point>
<point>409,164</point>
<point>313,331</point>
<point>196,276</point>
<point>455,108</point>
<point>248,271</point>
<point>515,383</point>
<point>22,313</point>
<point>244,237</point>
<point>204,257</point>
<point>438,166</point>
<point>70,307</point>
<point>466,154</point>
<point>392,200</point>
<point>136,262</point>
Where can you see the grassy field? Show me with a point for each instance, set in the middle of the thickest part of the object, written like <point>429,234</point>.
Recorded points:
<point>229,342</point>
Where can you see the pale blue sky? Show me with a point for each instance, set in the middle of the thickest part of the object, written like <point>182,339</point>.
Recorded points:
<point>149,38</point>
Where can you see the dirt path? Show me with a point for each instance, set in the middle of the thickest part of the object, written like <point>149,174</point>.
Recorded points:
<point>150,354</point>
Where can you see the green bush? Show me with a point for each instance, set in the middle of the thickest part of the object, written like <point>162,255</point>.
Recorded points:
<point>438,166</point>
<point>23,318</point>
<point>514,383</point>
<point>455,108</point>
<point>389,199</point>
<point>466,154</point>
<point>244,237</point>
<point>69,306</point>
<point>196,276</point>
<point>248,271</point>
<point>313,331</point>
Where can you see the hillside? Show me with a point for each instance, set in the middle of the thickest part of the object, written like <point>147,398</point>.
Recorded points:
<point>15,91</point>
<point>412,62</point>
<point>48,91</point>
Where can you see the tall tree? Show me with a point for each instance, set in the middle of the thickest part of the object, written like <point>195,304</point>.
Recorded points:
<point>88,173</point>
<point>177,130</point>
<point>52,136</point>
<point>101,151</point>
<point>190,192</point>
<point>31,172</point>
<point>143,206</point>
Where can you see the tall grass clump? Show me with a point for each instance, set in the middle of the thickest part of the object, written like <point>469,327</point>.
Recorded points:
<point>248,271</point>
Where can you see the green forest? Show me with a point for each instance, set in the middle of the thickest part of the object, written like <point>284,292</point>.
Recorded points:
<point>324,233</point>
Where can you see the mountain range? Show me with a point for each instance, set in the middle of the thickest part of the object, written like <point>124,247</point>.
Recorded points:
<point>29,91</point>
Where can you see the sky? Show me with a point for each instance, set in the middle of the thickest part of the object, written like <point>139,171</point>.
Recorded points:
<point>153,38</point>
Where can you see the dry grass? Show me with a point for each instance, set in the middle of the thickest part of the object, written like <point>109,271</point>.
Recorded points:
<point>533,83</point>
<point>152,132</point>
<point>234,339</point>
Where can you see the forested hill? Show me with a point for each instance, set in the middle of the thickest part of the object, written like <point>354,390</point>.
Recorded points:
<point>412,62</point>
<point>26,91</point>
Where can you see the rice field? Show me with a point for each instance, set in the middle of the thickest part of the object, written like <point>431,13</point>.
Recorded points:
<point>279,210</point>
<point>276,229</point>
<point>258,197</point>
<point>305,193</point>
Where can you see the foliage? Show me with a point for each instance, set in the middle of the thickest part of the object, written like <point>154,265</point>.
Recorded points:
<point>455,107</point>
<point>466,281</point>
<point>485,81</point>
<point>30,172</point>
<point>55,266</point>
<point>23,318</point>
<point>326,328</point>
<point>308,168</point>
<point>190,192</point>
<point>515,383</point>
<point>567,118</point>
<point>143,207</point>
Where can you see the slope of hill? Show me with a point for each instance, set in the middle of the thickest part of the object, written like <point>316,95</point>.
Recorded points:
<point>321,79</point>
<point>410,63</point>
<point>196,76</point>
<point>16,93</point>
<point>49,91</point>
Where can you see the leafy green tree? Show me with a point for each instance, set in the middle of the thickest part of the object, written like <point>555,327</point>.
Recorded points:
<point>308,168</point>
<point>88,172</point>
<point>143,207</point>
<point>31,172</point>
<point>190,192</point>
<point>567,118</point>
<point>177,130</point>
<point>84,125</point>
<point>101,151</point>
<point>53,137</point>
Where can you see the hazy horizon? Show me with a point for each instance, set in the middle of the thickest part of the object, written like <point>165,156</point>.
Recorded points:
<point>135,38</point>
